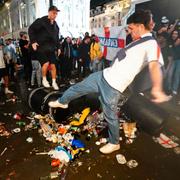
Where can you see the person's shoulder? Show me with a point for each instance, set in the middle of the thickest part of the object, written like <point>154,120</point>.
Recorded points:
<point>152,41</point>
<point>44,18</point>
<point>56,24</point>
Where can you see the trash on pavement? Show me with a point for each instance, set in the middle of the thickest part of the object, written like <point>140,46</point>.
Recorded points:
<point>55,162</point>
<point>177,150</point>
<point>16,130</point>
<point>3,131</point>
<point>29,139</point>
<point>129,129</point>
<point>132,163</point>
<point>166,142</point>
<point>17,116</point>
<point>121,159</point>
<point>5,149</point>
<point>82,118</point>
<point>21,123</point>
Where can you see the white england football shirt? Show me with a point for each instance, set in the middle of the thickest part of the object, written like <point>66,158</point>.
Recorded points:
<point>122,73</point>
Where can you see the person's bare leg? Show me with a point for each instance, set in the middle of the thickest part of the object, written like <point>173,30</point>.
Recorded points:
<point>6,84</point>
<point>45,83</point>
<point>53,74</point>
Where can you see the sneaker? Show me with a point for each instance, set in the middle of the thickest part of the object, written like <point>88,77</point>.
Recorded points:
<point>109,148</point>
<point>57,104</point>
<point>7,91</point>
<point>174,93</point>
<point>55,86</point>
<point>46,84</point>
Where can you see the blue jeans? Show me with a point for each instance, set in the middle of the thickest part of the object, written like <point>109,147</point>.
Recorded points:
<point>96,65</point>
<point>176,75</point>
<point>109,98</point>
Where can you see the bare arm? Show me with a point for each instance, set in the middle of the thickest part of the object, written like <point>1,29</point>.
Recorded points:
<point>171,29</point>
<point>157,83</point>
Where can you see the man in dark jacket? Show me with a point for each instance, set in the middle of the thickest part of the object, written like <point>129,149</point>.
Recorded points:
<point>44,37</point>
<point>84,58</point>
<point>24,45</point>
<point>67,60</point>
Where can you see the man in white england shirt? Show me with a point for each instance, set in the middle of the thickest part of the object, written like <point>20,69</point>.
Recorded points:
<point>113,81</point>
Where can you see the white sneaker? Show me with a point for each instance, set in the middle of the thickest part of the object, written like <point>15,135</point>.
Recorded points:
<point>55,86</point>
<point>174,93</point>
<point>57,104</point>
<point>45,83</point>
<point>7,91</point>
<point>109,148</point>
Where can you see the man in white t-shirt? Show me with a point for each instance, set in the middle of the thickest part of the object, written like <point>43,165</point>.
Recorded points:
<point>113,81</point>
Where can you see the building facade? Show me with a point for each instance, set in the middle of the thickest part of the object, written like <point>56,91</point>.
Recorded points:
<point>113,13</point>
<point>17,15</point>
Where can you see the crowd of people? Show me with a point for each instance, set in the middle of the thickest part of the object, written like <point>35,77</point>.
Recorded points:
<point>168,37</point>
<point>44,54</point>
<point>65,59</point>
<point>49,60</point>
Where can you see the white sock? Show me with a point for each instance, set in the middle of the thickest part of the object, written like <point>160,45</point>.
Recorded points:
<point>6,89</point>
<point>53,80</point>
<point>44,78</point>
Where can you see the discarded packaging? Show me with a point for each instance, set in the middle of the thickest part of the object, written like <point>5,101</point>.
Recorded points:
<point>132,164</point>
<point>55,162</point>
<point>166,142</point>
<point>16,130</point>
<point>121,159</point>
<point>54,175</point>
<point>17,116</point>
<point>129,141</point>
<point>129,129</point>
<point>3,131</point>
<point>84,114</point>
<point>177,150</point>
<point>21,123</point>
<point>29,139</point>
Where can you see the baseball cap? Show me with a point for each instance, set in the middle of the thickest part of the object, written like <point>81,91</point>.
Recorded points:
<point>164,20</point>
<point>53,8</point>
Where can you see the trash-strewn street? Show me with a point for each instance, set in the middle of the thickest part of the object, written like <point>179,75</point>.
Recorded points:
<point>89,90</point>
<point>24,149</point>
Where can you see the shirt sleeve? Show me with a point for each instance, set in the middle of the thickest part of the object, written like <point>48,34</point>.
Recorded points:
<point>153,51</point>
<point>33,29</point>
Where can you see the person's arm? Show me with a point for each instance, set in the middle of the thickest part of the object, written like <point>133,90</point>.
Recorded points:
<point>32,31</point>
<point>171,29</point>
<point>58,42</point>
<point>155,61</point>
<point>157,83</point>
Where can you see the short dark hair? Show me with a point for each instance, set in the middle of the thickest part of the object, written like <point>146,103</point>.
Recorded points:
<point>53,8</point>
<point>141,17</point>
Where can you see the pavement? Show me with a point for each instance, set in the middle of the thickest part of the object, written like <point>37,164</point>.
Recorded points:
<point>18,159</point>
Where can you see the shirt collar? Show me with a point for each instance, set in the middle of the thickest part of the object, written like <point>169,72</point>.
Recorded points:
<point>147,34</point>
